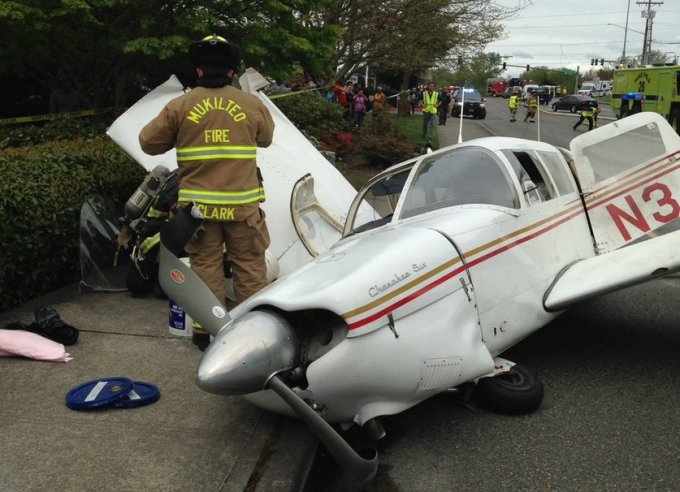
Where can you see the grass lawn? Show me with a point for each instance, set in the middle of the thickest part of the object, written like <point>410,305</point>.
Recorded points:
<point>412,127</point>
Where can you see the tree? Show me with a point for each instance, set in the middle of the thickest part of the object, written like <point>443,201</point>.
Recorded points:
<point>474,72</point>
<point>101,48</point>
<point>412,36</point>
<point>104,49</point>
<point>282,37</point>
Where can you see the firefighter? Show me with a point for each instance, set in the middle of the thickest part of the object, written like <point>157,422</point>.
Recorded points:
<point>513,104</point>
<point>216,129</point>
<point>589,114</point>
<point>532,106</point>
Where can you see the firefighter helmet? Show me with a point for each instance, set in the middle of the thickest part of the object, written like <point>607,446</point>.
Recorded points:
<point>215,50</point>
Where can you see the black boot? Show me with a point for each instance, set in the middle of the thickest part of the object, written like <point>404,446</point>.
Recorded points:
<point>201,340</point>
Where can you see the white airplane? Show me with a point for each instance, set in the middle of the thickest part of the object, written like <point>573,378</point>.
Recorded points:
<point>444,262</point>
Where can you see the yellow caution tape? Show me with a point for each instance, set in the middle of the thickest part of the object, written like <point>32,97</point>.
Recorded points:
<point>53,116</point>
<point>292,93</point>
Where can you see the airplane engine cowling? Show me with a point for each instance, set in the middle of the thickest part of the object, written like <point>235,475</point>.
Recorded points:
<point>247,353</point>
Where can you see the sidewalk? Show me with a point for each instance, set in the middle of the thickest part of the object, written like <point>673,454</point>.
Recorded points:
<point>448,134</point>
<point>189,440</point>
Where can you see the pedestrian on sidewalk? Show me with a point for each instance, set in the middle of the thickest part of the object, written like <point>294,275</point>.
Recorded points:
<point>445,99</point>
<point>360,103</point>
<point>430,104</point>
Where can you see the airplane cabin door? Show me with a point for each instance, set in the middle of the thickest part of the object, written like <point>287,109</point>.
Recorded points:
<point>629,173</point>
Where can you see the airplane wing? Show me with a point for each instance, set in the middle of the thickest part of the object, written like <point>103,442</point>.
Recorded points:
<point>307,197</point>
<point>624,267</point>
<point>629,173</point>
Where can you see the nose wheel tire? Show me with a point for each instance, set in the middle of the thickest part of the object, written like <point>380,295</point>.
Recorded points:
<point>514,392</point>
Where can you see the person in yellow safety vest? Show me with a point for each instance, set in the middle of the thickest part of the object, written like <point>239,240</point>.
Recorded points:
<point>216,129</point>
<point>430,104</point>
<point>589,114</point>
<point>513,104</point>
<point>532,106</point>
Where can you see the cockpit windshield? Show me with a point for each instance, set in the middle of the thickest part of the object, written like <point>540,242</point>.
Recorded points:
<point>462,176</point>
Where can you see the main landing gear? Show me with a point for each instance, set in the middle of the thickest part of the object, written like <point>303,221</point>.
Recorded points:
<point>513,390</point>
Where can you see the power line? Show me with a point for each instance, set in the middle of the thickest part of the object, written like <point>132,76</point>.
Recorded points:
<point>567,15</point>
<point>558,27</point>
<point>526,46</point>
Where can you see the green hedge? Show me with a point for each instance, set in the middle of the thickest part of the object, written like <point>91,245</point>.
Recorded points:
<point>31,134</point>
<point>42,189</point>
<point>311,113</point>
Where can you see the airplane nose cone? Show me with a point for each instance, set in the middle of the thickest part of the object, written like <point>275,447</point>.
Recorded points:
<point>245,354</point>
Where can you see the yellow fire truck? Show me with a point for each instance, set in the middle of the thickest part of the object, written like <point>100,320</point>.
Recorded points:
<point>648,89</point>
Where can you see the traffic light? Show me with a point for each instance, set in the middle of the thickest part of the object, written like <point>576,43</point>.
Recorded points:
<point>504,65</point>
<point>602,62</point>
<point>528,68</point>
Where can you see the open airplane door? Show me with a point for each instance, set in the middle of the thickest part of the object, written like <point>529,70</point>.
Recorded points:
<point>304,215</point>
<point>629,173</point>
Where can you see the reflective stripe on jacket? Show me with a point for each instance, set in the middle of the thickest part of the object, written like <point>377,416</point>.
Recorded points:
<point>216,132</point>
<point>222,197</point>
<point>589,112</point>
<point>216,152</point>
<point>150,242</point>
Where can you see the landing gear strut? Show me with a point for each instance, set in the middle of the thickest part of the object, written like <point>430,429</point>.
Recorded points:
<point>514,391</point>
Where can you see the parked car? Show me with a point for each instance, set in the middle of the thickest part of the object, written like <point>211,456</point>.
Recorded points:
<point>472,104</point>
<point>573,103</point>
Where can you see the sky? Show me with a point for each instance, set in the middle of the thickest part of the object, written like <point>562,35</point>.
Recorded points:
<point>569,33</point>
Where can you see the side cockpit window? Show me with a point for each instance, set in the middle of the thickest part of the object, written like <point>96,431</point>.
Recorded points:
<point>381,198</point>
<point>533,178</point>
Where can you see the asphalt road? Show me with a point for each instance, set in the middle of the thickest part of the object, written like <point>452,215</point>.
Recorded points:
<point>610,419</point>
<point>555,127</point>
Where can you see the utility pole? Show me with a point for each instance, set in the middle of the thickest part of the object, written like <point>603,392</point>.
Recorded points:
<point>649,15</point>
<point>625,38</point>
<point>576,81</point>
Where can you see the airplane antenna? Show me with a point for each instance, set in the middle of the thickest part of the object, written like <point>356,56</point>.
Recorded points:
<point>462,109</point>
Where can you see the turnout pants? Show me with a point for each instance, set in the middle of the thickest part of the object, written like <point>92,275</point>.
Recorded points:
<point>245,241</point>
